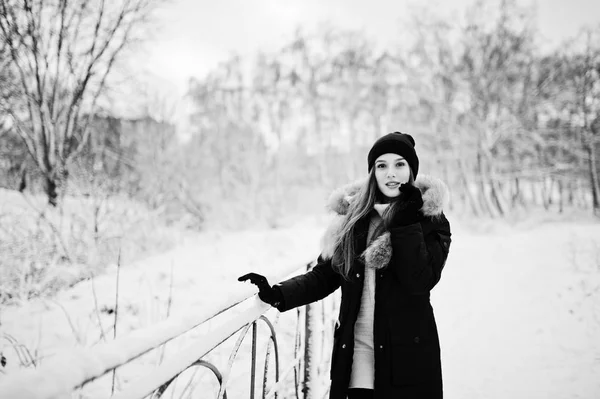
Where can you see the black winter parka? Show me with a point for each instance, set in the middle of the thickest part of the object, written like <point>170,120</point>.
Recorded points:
<point>407,349</point>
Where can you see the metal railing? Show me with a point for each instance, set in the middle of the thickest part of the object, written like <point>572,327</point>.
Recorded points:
<point>71,372</point>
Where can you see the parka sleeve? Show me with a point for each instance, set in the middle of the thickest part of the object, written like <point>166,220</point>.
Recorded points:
<point>419,253</point>
<point>309,287</point>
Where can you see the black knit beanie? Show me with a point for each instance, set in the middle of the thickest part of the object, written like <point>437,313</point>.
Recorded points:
<point>396,143</point>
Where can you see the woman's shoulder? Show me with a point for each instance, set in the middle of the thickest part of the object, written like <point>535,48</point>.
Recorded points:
<point>338,205</point>
<point>340,199</point>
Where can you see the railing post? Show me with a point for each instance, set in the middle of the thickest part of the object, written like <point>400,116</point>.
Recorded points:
<point>253,369</point>
<point>311,351</point>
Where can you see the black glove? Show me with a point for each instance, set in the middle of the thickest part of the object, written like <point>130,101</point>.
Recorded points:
<point>267,294</point>
<point>408,208</point>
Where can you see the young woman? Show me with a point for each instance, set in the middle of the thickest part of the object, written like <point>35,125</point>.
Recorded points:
<point>386,250</point>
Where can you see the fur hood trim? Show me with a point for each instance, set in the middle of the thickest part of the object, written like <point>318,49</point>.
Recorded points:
<point>435,197</point>
<point>434,191</point>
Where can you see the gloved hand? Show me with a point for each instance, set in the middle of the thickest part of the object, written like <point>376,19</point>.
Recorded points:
<point>267,294</point>
<point>409,206</point>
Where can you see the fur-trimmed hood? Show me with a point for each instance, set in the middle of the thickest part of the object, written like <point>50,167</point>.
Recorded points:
<point>435,197</point>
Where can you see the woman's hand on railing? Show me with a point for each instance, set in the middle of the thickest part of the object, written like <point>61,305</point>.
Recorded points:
<point>267,294</point>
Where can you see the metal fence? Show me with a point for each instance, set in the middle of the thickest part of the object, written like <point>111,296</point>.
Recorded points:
<point>303,374</point>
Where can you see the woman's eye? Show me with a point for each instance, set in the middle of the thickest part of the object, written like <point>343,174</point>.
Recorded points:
<point>400,164</point>
<point>381,166</point>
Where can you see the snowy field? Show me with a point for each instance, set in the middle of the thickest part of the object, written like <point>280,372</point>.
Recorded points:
<point>518,308</point>
<point>519,313</point>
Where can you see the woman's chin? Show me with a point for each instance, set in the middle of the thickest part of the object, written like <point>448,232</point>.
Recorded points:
<point>391,194</point>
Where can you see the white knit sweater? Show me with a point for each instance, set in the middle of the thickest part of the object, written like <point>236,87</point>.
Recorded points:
<point>363,361</point>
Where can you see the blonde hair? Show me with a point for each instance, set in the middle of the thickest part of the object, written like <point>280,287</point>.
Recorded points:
<point>361,205</point>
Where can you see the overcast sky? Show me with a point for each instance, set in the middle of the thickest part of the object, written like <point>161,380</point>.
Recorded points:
<point>195,35</point>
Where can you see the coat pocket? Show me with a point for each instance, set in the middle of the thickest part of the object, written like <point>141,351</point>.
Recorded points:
<point>413,363</point>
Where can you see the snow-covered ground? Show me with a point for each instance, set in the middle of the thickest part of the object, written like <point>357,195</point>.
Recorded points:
<point>519,313</point>
<point>518,309</point>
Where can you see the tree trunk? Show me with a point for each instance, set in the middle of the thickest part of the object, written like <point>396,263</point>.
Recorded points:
<point>580,199</point>
<point>484,197</point>
<point>545,196</point>
<point>497,196</point>
<point>593,175</point>
<point>516,198</point>
<point>561,195</point>
<point>50,188</point>
<point>475,206</point>
<point>534,193</point>
<point>572,187</point>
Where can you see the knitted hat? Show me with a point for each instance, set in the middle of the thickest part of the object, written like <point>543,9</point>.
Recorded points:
<point>396,143</point>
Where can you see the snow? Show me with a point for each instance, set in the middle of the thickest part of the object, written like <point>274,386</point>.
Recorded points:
<point>518,308</point>
<point>514,317</point>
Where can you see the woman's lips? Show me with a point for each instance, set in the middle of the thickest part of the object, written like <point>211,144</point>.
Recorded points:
<point>392,185</point>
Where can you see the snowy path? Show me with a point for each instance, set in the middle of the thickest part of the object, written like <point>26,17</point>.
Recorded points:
<point>504,313</point>
<point>511,311</point>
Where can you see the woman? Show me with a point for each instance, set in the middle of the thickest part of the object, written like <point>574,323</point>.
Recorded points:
<point>386,250</point>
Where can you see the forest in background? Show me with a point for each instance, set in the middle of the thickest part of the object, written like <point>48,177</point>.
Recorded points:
<point>507,126</point>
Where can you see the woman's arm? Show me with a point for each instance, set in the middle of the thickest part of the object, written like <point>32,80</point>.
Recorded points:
<point>419,253</point>
<point>312,286</point>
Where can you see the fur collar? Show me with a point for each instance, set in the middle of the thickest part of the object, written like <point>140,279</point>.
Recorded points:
<point>378,254</point>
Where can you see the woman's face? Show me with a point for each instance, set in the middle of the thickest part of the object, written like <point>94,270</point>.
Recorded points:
<point>391,170</point>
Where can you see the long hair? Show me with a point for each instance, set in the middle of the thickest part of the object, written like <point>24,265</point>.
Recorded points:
<point>359,208</point>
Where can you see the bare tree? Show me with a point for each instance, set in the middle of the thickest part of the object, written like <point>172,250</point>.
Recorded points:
<point>496,65</point>
<point>313,73</point>
<point>571,85</point>
<point>586,81</point>
<point>62,53</point>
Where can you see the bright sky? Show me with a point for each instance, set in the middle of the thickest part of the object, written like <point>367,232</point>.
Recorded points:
<point>197,34</point>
